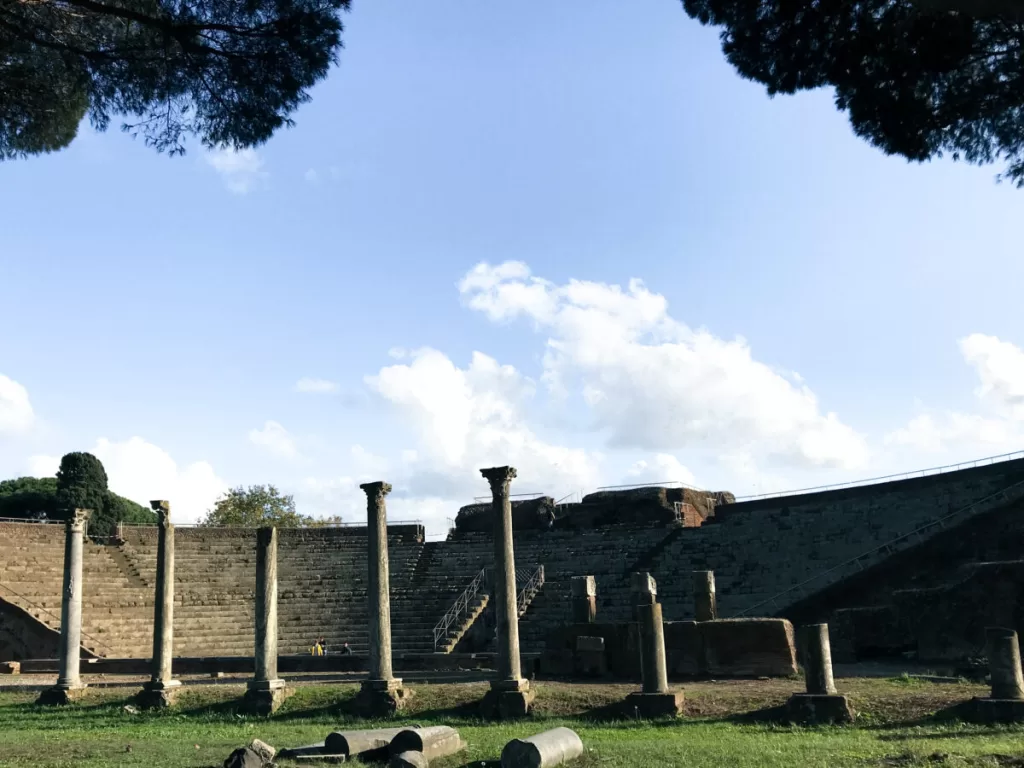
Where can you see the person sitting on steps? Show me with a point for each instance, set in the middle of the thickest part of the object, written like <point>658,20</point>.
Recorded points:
<point>345,650</point>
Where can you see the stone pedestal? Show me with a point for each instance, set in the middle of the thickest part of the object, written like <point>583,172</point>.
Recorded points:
<point>381,698</point>
<point>382,695</point>
<point>1006,703</point>
<point>705,605</point>
<point>159,694</point>
<point>821,703</point>
<point>507,700</point>
<point>651,705</point>
<point>265,697</point>
<point>266,692</point>
<point>162,689</point>
<point>584,599</point>
<point>510,694</point>
<point>69,685</point>
<point>814,708</point>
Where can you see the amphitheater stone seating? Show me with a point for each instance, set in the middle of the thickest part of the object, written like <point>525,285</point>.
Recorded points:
<point>757,549</point>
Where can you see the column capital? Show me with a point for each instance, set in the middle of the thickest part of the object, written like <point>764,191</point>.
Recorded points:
<point>163,512</point>
<point>78,517</point>
<point>499,477</point>
<point>376,490</point>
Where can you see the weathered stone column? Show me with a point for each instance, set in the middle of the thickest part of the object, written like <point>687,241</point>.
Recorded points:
<point>162,689</point>
<point>705,606</point>
<point>1004,663</point>
<point>584,599</point>
<point>69,680</point>
<point>1006,702</point>
<point>654,698</point>
<point>382,694</point>
<point>817,659</point>
<point>266,691</point>
<point>821,703</point>
<point>510,694</point>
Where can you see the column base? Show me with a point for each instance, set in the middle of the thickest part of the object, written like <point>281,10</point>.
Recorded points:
<point>381,698</point>
<point>988,710</point>
<point>507,700</point>
<point>265,697</point>
<point>61,695</point>
<point>159,694</point>
<point>651,705</point>
<point>813,708</point>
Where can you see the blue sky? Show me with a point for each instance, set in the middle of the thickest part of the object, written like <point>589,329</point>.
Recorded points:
<point>476,179</point>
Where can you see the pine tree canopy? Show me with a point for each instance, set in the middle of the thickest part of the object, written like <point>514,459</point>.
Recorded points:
<point>229,72</point>
<point>920,79</point>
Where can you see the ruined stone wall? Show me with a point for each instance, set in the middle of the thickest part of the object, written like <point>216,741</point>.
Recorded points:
<point>759,549</point>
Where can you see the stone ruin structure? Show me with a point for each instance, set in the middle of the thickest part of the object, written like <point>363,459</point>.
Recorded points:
<point>923,564</point>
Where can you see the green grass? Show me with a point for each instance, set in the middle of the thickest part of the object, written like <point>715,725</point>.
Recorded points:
<point>896,727</point>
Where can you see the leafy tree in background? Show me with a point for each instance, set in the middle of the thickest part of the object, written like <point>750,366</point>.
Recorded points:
<point>916,79</point>
<point>230,72</point>
<point>29,498</point>
<point>81,483</point>
<point>260,505</point>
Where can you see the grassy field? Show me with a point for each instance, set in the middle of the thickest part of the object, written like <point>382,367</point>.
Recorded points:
<point>897,726</point>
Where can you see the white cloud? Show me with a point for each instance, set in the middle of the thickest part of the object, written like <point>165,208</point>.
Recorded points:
<point>655,384</point>
<point>469,418</point>
<point>241,169</point>
<point>311,176</point>
<point>16,414</point>
<point>141,471</point>
<point>1000,367</point>
<point>316,386</point>
<point>274,438</point>
<point>664,467</point>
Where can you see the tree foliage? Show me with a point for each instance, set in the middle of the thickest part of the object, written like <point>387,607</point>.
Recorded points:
<point>81,483</point>
<point>257,506</point>
<point>230,72</point>
<point>915,82</point>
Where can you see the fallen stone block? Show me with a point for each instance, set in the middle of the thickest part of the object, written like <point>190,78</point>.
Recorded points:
<point>409,759</point>
<point>244,757</point>
<point>544,750</point>
<point>263,749</point>
<point>368,742</point>
<point>296,752</point>
<point>433,742</point>
<point>320,759</point>
<point>10,668</point>
<point>992,711</point>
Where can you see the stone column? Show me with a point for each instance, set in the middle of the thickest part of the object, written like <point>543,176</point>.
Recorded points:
<point>705,607</point>
<point>382,694</point>
<point>584,599</point>
<point>1004,663</point>
<point>510,694</point>
<point>162,689</point>
<point>69,680</point>
<point>655,699</point>
<point>266,692</point>
<point>821,703</point>
<point>818,660</point>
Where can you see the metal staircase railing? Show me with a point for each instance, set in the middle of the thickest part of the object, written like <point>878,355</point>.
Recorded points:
<point>459,608</point>
<point>534,581</point>
<point>35,606</point>
<point>860,562</point>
